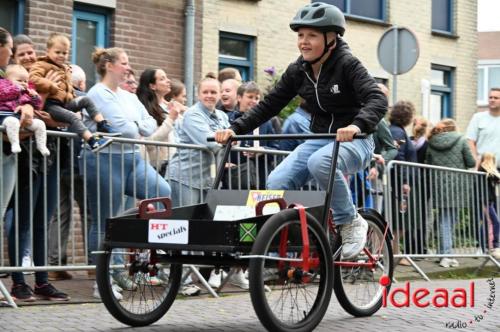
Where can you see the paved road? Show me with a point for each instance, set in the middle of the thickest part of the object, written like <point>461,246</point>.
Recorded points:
<point>235,313</point>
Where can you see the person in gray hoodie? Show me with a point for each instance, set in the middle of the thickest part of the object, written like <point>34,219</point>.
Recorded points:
<point>448,148</point>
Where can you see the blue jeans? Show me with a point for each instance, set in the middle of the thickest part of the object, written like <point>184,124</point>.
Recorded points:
<point>40,223</point>
<point>447,219</point>
<point>107,188</point>
<point>183,195</point>
<point>313,159</point>
<point>7,181</point>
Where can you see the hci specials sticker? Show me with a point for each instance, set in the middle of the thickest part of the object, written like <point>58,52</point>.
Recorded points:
<point>168,231</point>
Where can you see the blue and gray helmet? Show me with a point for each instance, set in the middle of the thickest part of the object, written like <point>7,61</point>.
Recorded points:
<point>321,16</point>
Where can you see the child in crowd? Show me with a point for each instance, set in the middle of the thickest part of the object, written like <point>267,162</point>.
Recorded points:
<point>61,102</point>
<point>16,92</point>
<point>488,165</point>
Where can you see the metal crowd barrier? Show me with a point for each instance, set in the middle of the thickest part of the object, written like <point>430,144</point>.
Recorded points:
<point>414,217</point>
<point>443,214</point>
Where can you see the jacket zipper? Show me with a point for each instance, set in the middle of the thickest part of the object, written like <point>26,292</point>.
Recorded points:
<point>315,84</point>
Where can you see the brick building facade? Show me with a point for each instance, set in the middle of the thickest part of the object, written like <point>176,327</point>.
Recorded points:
<point>151,31</point>
<point>257,36</point>
<point>450,52</point>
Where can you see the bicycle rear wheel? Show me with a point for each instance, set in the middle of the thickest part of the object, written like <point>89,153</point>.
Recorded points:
<point>358,287</point>
<point>148,286</point>
<point>298,298</point>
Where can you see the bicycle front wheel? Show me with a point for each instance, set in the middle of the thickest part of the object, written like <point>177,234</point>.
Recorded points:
<point>135,286</point>
<point>285,295</point>
<point>358,287</point>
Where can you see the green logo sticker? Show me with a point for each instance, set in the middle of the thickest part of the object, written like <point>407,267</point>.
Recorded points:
<point>248,232</point>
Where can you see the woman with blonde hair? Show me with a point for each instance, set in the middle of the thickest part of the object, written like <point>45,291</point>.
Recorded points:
<point>488,165</point>
<point>420,131</point>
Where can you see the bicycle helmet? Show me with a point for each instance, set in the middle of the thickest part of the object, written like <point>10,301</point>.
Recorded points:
<point>322,17</point>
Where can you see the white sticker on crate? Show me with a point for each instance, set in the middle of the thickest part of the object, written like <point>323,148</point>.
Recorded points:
<point>168,231</point>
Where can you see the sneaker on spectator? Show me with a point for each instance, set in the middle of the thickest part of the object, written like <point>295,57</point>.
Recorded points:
<point>495,252</point>
<point>190,290</point>
<point>22,292</point>
<point>27,262</point>
<point>123,280</point>
<point>216,277</point>
<point>353,237</point>
<point>271,274</point>
<point>97,143</point>
<point>104,128</point>
<point>238,279</point>
<point>114,288</point>
<point>49,292</point>
<point>151,281</point>
<point>59,275</point>
<point>445,262</point>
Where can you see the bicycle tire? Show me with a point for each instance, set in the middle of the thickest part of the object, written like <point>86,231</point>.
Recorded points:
<point>266,244</point>
<point>348,280</point>
<point>156,299</point>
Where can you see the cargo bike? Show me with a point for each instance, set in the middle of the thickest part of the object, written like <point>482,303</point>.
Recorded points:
<point>286,239</point>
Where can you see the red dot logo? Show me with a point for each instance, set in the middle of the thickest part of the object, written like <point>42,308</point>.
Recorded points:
<point>385,280</point>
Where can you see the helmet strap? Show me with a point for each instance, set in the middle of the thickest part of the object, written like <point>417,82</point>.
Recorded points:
<point>325,50</point>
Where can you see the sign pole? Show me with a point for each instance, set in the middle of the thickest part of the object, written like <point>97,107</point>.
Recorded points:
<point>395,67</point>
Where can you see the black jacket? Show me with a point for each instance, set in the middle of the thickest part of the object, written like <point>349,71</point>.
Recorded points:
<point>344,94</point>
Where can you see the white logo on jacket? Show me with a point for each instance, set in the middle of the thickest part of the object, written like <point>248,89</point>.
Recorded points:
<point>335,89</point>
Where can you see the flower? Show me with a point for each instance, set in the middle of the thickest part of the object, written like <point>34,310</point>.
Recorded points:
<point>270,70</point>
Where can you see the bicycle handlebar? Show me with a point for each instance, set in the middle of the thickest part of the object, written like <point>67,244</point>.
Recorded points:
<point>284,136</point>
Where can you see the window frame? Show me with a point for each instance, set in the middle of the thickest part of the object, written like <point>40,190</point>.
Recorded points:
<point>446,91</point>
<point>226,61</point>
<point>451,21</point>
<point>18,26</point>
<point>486,66</point>
<point>88,13</point>
<point>349,15</point>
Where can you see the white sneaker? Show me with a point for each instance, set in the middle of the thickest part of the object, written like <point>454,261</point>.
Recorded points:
<point>238,279</point>
<point>216,277</point>
<point>353,237</point>
<point>190,290</point>
<point>270,274</point>
<point>495,253</point>
<point>116,294</point>
<point>27,262</point>
<point>446,262</point>
<point>454,262</point>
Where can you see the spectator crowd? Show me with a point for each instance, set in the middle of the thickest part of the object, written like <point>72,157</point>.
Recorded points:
<point>39,93</point>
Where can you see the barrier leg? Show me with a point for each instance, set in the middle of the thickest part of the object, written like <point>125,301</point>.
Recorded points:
<point>7,296</point>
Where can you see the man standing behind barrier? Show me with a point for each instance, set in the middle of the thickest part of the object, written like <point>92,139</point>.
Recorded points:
<point>484,136</point>
<point>483,133</point>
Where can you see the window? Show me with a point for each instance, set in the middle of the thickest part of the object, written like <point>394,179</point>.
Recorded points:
<point>488,76</point>
<point>367,9</point>
<point>237,51</point>
<point>12,16</point>
<point>442,16</point>
<point>89,30</point>
<point>441,93</point>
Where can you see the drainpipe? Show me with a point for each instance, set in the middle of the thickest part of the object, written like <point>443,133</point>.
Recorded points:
<point>189,51</point>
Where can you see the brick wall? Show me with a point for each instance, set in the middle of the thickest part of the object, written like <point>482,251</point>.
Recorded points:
<point>151,31</point>
<point>266,20</point>
<point>275,43</point>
